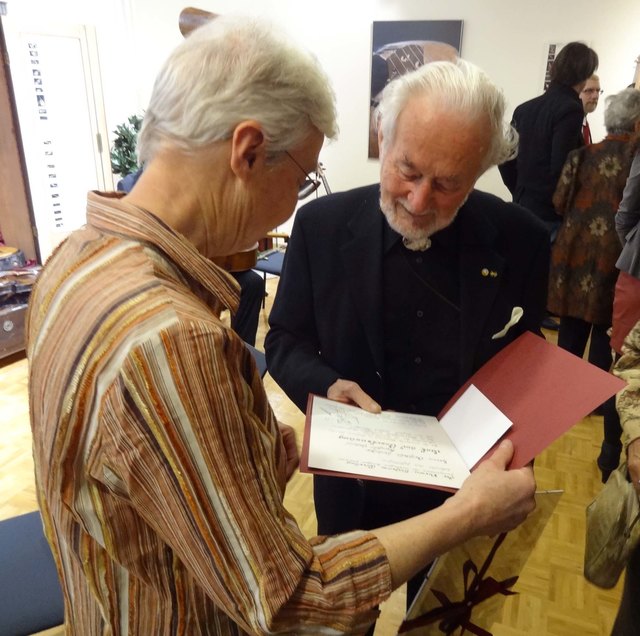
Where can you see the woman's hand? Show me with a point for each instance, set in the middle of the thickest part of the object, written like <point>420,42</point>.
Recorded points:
<point>633,463</point>
<point>290,449</point>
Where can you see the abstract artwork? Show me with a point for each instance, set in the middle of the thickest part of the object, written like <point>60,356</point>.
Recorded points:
<point>402,46</point>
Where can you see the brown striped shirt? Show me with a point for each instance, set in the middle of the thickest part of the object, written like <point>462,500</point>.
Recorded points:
<point>158,459</point>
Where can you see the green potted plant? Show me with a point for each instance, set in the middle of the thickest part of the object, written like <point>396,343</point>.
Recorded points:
<point>123,152</point>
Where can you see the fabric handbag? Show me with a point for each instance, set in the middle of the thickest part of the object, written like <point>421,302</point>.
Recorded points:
<point>612,529</point>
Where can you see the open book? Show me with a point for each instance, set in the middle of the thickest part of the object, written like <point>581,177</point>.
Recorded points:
<point>402,446</point>
<point>531,392</point>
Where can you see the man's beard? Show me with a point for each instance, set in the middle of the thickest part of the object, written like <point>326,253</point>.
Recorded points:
<point>431,221</point>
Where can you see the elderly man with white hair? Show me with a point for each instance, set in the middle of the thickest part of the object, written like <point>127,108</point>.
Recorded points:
<point>391,294</point>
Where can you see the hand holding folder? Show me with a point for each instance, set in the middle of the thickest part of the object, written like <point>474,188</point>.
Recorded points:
<point>532,389</point>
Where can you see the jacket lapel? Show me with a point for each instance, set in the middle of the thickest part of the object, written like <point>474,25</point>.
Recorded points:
<point>362,259</point>
<point>481,271</point>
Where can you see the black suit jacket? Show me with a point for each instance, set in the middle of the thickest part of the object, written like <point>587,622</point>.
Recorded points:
<point>326,321</point>
<point>549,126</point>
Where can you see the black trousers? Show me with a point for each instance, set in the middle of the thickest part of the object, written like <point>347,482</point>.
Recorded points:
<point>574,334</point>
<point>245,322</point>
<point>628,619</point>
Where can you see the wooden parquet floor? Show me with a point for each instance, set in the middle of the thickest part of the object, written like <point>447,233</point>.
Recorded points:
<point>553,597</point>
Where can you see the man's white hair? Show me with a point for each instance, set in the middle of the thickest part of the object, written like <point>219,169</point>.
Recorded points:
<point>459,86</point>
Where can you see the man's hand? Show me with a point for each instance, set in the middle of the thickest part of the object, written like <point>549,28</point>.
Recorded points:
<point>350,393</point>
<point>497,499</point>
<point>290,449</point>
<point>633,463</point>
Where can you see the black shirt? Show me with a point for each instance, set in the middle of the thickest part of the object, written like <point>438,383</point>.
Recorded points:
<point>421,323</point>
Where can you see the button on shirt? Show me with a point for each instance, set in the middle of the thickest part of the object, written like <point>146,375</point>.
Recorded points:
<point>421,323</point>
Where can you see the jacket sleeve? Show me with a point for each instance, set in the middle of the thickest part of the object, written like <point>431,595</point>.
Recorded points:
<point>566,188</point>
<point>535,284</point>
<point>509,169</point>
<point>509,174</point>
<point>566,137</point>
<point>292,345</point>
<point>208,442</point>
<point>628,215</point>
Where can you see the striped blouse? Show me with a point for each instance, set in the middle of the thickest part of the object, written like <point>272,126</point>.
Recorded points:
<point>158,459</point>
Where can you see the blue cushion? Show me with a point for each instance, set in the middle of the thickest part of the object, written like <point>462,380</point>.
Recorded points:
<point>259,357</point>
<point>30,593</point>
<point>271,264</point>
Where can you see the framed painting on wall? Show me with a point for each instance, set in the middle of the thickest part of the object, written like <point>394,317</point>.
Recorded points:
<point>402,46</point>
<point>552,51</point>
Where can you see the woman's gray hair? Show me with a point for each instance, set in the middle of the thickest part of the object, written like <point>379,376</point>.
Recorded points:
<point>230,70</point>
<point>461,87</point>
<point>622,111</point>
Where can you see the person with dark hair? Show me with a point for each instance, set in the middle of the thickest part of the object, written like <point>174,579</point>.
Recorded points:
<point>549,127</point>
<point>575,63</point>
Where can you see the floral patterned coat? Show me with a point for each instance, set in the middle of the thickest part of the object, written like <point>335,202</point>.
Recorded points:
<point>582,276</point>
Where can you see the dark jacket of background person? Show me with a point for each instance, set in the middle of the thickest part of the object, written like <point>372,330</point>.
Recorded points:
<point>583,274</point>
<point>626,303</point>
<point>628,222</point>
<point>549,126</point>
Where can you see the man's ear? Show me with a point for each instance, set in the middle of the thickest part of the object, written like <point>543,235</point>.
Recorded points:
<point>247,147</point>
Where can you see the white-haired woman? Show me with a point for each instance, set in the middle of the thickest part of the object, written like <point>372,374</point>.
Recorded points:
<point>583,270</point>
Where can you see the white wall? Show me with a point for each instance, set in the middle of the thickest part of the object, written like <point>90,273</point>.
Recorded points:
<point>507,39</point>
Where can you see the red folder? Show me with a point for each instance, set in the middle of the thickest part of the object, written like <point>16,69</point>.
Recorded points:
<point>543,389</point>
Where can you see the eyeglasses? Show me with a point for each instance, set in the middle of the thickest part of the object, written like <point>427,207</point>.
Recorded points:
<point>310,184</point>
<point>593,91</point>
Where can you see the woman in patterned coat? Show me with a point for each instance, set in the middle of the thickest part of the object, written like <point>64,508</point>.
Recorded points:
<point>583,272</point>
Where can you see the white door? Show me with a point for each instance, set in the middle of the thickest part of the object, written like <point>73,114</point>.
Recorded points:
<point>58,92</point>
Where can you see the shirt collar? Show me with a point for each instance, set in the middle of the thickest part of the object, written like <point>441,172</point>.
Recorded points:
<point>109,212</point>
<point>447,237</point>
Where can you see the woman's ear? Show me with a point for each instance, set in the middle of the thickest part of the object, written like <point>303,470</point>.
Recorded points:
<point>247,148</point>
